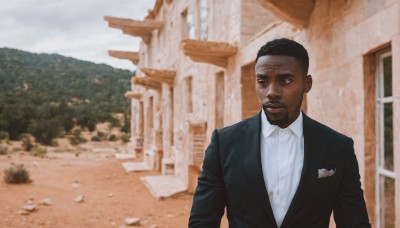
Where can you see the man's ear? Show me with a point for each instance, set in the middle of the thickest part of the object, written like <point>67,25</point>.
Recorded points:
<point>307,83</point>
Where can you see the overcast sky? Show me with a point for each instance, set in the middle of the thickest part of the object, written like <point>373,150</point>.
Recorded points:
<point>74,28</point>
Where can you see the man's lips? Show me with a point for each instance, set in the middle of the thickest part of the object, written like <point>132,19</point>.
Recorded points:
<point>274,107</point>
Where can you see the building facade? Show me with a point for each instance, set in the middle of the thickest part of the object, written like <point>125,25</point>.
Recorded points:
<point>195,73</point>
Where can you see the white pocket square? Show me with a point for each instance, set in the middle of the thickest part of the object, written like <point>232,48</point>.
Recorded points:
<point>325,173</point>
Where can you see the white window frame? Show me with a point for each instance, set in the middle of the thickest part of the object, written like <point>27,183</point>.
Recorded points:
<point>380,101</point>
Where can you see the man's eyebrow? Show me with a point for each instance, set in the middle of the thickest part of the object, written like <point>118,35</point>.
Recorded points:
<point>259,75</point>
<point>282,75</point>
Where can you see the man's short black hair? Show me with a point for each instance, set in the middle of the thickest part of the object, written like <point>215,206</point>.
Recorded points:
<point>286,47</point>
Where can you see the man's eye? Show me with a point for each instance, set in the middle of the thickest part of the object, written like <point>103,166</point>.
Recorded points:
<point>261,82</point>
<point>286,81</point>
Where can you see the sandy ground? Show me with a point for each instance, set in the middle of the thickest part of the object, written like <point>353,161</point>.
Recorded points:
<point>111,194</point>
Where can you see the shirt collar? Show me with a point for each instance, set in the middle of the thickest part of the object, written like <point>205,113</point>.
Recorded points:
<point>267,129</point>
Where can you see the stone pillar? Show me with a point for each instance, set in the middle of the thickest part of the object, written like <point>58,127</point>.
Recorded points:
<point>167,110</point>
<point>138,140</point>
<point>158,151</point>
<point>197,138</point>
<point>131,144</point>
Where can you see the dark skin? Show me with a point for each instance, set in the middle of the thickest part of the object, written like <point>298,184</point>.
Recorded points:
<point>280,84</point>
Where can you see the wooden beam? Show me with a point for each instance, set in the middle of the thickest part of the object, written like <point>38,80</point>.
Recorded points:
<point>146,24</point>
<point>208,48</point>
<point>131,27</point>
<point>221,62</point>
<point>153,13</point>
<point>133,95</point>
<point>129,55</point>
<point>216,53</point>
<point>146,82</point>
<point>295,12</point>
<point>146,36</point>
<point>167,76</point>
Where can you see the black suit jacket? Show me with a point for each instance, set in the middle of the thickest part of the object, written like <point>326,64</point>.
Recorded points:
<point>232,177</point>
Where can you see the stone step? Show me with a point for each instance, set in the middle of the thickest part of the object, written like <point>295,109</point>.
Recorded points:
<point>135,167</point>
<point>163,186</point>
<point>122,156</point>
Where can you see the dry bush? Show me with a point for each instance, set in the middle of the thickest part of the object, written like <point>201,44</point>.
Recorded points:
<point>3,150</point>
<point>16,174</point>
<point>112,138</point>
<point>76,137</point>
<point>39,151</point>
<point>95,138</point>
<point>17,149</point>
<point>27,143</point>
<point>4,135</point>
<point>125,138</point>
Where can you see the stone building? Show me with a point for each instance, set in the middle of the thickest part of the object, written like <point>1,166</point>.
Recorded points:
<point>195,73</point>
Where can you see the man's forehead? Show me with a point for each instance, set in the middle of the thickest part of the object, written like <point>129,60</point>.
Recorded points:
<point>276,61</point>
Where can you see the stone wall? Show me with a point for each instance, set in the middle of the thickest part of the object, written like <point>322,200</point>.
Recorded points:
<point>342,38</point>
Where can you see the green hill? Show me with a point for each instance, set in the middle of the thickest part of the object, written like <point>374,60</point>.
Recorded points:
<point>42,91</point>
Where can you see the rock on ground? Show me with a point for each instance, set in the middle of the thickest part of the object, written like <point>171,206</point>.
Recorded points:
<point>45,202</point>
<point>29,207</point>
<point>80,198</point>
<point>23,212</point>
<point>132,221</point>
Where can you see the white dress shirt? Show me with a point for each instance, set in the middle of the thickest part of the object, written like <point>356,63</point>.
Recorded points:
<point>282,155</point>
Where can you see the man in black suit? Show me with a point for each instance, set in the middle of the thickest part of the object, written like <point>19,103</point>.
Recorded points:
<point>280,168</point>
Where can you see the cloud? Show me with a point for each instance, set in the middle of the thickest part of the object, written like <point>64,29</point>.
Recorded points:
<point>74,28</point>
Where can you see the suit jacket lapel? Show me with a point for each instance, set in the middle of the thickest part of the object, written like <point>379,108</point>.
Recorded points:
<point>314,153</point>
<point>251,163</point>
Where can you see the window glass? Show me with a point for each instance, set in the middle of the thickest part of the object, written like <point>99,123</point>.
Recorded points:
<point>388,136</point>
<point>387,208</point>
<point>387,76</point>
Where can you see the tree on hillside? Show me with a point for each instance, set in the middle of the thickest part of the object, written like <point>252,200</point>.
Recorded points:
<point>48,94</point>
<point>14,121</point>
<point>45,131</point>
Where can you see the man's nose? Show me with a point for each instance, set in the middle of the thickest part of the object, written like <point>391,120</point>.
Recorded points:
<point>274,91</point>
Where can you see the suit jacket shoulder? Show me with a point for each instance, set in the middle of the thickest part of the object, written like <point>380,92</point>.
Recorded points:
<point>231,132</point>
<point>322,132</point>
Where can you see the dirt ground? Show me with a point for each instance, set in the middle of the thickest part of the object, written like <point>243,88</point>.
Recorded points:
<point>111,194</point>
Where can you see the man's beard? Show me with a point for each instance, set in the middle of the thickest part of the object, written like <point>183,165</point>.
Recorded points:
<point>276,119</point>
<point>283,121</point>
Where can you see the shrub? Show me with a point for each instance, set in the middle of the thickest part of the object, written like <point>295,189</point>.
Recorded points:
<point>3,150</point>
<point>76,138</point>
<point>68,123</point>
<point>95,139</point>
<point>73,140</point>
<point>102,135</point>
<point>125,138</point>
<point>16,174</point>
<point>17,149</point>
<point>126,128</point>
<point>115,122</point>
<point>112,138</point>
<point>45,131</point>
<point>39,152</point>
<point>91,125</point>
<point>27,143</point>
<point>4,135</point>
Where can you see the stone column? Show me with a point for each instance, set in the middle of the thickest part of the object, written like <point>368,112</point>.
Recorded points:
<point>197,138</point>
